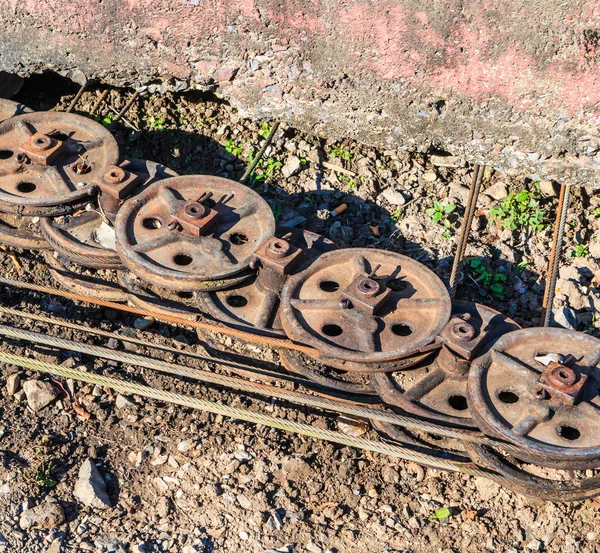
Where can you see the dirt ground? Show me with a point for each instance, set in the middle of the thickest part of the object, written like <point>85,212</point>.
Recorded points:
<point>184,481</point>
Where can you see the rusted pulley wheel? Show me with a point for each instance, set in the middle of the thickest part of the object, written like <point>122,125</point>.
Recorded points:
<point>365,306</point>
<point>514,476</point>
<point>50,162</point>
<point>254,305</point>
<point>437,388</point>
<point>340,382</point>
<point>9,109</point>
<point>160,302</point>
<point>22,232</point>
<point>147,173</point>
<point>538,388</point>
<point>89,282</point>
<point>84,238</point>
<point>184,231</point>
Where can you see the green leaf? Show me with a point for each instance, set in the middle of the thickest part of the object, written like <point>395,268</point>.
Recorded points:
<point>522,196</point>
<point>430,211</point>
<point>436,217</point>
<point>449,208</point>
<point>438,206</point>
<point>441,514</point>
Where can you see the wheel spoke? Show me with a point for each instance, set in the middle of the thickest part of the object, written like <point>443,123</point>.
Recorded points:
<point>313,305</point>
<point>424,386</point>
<point>150,245</point>
<point>511,364</point>
<point>58,181</point>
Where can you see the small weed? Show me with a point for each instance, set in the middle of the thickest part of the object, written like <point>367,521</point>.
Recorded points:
<point>440,514</point>
<point>520,210</point>
<point>580,250</point>
<point>233,149</point>
<point>394,217</point>
<point>342,153</point>
<point>155,123</point>
<point>439,213</point>
<point>348,182</point>
<point>597,213</point>
<point>106,120</point>
<point>267,167</point>
<point>265,130</point>
<point>277,210</point>
<point>523,264</point>
<point>492,281</point>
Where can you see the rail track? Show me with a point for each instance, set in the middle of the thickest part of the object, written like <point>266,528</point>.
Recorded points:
<point>360,332</point>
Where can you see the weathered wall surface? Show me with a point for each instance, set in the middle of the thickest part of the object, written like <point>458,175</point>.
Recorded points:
<point>515,84</point>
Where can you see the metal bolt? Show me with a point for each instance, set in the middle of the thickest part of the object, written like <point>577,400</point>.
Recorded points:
<point>42,143</point>
<point>368,287</point>
<point>115,175</point>
<point>195,210</point>
<point>278,248</point>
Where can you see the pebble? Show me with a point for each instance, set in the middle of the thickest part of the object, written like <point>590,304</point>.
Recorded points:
<point>123,403</point>
<point>143,323</point>
<point>45,516</point>
<point>534,545</point>
<point>313,548</point>
<point>90,487</point>
<point>39,394</point>
<point>549,188</point>
<point>244,536</point>
<point>292,167</point>
<point>394,197</point>
<point>185,446</point>
<point>430,176</point>
<point>497,191</point>
<point>565,317</point>
<point>13,384</point>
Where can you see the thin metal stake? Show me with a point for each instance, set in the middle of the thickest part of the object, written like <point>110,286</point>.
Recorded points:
<point>125,109</point>
<point>465,229</point>
<point>77,96</point>
<point>555,253</point>
<point>261,153</point>
<point>99,101</point>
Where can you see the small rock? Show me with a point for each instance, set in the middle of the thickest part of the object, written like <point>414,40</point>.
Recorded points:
<point>430,176</point>
<point>90,487</point>
<point>45,516</point>
<point>487,489</point>
<point>123,403</point>
<point>190,549</point>
<point>591,536</point>
<point>394,197</point>
<point>565,318</point>
<point>340,234</point>
<point>352,426</point>
<point>244,536</point>
<point>534,545</point>
<point>55,546</point>
<point>497,191</point>
<point>143,323</point>
<point>39,394</point>
<point>313,548</point>
<point>185,446</point>
<point>13,384</point>
<point>274,522</point>
<point>446,161</point>
<point>291,167</point>
<point>549,188</point>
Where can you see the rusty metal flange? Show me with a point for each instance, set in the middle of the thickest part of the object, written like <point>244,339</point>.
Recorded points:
<point>9,109</point>
<point>184,231</point>
<point>49,162</point>
<point>88,285</point>
<point>22,232</point>
<point>437,389</point>
<point>163,302</point>
<point>255,304</point>
<point>551,418</point>
<point>84,238</point>
<point>148,172</point>
<point>365,305</point>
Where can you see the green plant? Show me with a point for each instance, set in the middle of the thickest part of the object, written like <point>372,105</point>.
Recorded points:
<point>106,120</point>
<point>265,130</point>
<point>348,182</point>
<point>440,514</point>
<point>580,250</point>
<point>520,211</point>
<point>492,281</point>
<point>597,213</point>
<point>342,153</point>
<point>396,215</point>
<point>155,123</point>
<point>232,148</point>
<point>266,166</point>
<point>439,213</point>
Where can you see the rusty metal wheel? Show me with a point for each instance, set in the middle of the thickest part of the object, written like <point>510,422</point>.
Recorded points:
<point>9,109</point>
<point>94,284</point>
<point>50,162</point>
<point>182,232</point>
<point>84,238</point>
<point>148,172</point>
<point>341,382</point>
<point>254,305</point>
<point>22,232</point>
<point>538,388</point>
<point>512,475</point>
<point>437,389</point>
<point>163,302</point>
<point>365,305</point>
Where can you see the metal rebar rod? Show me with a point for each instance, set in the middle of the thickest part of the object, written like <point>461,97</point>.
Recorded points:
<point>99,101</point>
<point>261,153</point>
<point>555,253</point>
<point>125,109</point>
<point>77,96</point>
<point>465,229</point>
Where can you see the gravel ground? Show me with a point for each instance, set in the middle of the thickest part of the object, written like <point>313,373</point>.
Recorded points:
<point>172,479</point>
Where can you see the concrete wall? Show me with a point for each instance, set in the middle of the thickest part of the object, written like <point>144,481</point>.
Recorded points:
<point>515,83</point>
